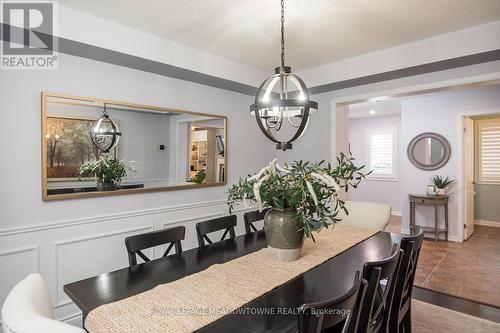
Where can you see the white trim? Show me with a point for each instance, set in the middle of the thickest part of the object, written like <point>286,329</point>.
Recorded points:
<point>192,219</point>
<point>396,213</point>
<point>395,152</point>
<point>479,125</point>
<point>110,217</point>
<point>72,319</point>
<point>378,178</point>
<point>56,245</point>
<point>34,248</point>
<point>487,183</point>
<point>487,223</point>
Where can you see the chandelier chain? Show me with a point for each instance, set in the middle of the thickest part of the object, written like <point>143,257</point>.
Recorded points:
<point>282,33</point>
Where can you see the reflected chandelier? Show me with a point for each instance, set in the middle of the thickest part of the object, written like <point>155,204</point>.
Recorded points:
<point>105,134</point>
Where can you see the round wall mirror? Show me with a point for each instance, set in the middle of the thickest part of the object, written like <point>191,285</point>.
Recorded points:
<point>429,151</point>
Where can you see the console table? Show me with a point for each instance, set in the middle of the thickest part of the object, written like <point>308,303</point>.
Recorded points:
<point>427,200</point>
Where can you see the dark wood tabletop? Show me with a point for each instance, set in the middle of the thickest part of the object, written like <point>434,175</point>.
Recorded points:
<point>279,306</point>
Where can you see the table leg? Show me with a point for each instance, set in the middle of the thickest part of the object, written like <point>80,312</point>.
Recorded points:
<point>446,220</point>
<point>436,232</point>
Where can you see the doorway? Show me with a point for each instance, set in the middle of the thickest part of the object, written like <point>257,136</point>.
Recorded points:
<point>378,133</point>
<point>481,176</point>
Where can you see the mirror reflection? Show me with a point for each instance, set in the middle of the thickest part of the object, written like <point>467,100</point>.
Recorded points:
<point>92,147</point>
<point>428,151</point>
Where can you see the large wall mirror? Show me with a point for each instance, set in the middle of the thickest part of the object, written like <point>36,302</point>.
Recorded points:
<point>429,151</point>
<point>157,148</point>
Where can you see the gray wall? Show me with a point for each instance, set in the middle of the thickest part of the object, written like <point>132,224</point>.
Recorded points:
<point>375,190</point>
<point>20,108</point>
<point>69,240</point>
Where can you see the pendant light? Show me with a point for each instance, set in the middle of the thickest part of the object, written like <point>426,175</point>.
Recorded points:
<point>105,134</point>
<point>283,99</point>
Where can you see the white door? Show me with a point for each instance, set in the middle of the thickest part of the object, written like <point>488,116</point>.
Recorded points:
<point>469,176</point>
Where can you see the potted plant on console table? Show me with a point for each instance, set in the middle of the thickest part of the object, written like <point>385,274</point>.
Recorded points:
<point>302,197</point>
<point>441,184</point>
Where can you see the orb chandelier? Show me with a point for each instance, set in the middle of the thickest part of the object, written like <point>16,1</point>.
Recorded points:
<point>105,134</point>
<point>283,99</point>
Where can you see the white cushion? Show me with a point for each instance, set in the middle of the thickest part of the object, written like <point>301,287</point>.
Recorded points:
<point>28,309</point>
<point>366,214</point>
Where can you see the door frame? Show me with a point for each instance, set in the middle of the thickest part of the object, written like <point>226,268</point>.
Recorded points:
<point>414,90</point>
<point>461,158</point>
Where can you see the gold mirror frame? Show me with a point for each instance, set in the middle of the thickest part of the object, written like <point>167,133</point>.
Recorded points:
<point>46,197</point>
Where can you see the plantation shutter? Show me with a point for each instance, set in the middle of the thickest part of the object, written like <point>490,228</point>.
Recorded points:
<point>381,153</point>
<point>489,151</point>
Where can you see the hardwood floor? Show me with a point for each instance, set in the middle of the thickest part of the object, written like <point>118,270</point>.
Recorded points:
<point>470,270</point>
<point>429,318</point>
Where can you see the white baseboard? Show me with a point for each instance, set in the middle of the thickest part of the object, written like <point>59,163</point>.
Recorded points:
<point>74,319</point>
<point>487,223</point>
<point>396,213</point>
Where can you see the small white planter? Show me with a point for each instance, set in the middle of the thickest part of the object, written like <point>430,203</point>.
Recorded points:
<point>440,191</point>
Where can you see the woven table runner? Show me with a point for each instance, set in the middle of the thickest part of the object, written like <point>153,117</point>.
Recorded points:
<point>190,303</point>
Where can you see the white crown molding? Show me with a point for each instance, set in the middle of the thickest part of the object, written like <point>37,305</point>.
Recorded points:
<point>110,217</point>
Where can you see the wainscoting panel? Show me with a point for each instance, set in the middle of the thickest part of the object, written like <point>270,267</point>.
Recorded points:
<point>16,264</point>
<point>71,250</point>
<point>100,253</point>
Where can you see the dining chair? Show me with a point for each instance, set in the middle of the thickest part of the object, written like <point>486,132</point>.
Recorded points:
<point>251,217</point>
<point>400,317</point>
<point>226,223</point>
<point>339,313</point>
<point>28,309</point>
<point>135,244</point>
<point>381,276</point>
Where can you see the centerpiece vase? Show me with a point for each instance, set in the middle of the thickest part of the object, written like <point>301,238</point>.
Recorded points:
<point>284,233</point>
<point>106,187</point>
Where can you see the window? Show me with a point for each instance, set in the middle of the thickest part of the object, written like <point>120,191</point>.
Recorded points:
<point>488,150</point>
<point>381,153</point>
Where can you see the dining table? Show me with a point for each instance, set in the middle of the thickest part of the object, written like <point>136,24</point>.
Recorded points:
<point>330,279</point>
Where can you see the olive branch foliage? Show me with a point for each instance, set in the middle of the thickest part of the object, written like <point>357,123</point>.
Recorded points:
<point>106,170</point>
<point>310,188</point>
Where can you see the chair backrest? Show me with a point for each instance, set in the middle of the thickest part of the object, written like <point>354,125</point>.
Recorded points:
<point>226,223</point>
<point>401,303</point>
<point>340,311</point>
<point>28,308</point>
<point>370,215</point>
<point>381,276</point>
<point>135,244</point>
<point>251,217</point>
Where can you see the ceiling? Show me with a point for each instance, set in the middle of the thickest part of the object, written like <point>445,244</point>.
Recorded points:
<point>375,109</point>
<point>317,32</point>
